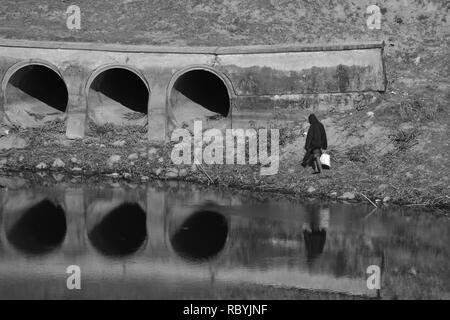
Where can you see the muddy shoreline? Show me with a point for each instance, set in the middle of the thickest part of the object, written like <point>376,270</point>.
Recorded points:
<point>29,176</point>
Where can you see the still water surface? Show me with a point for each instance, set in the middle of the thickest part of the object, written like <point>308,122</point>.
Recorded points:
<point>177,240</point>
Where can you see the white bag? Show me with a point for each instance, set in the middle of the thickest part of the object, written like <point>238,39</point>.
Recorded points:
<point>325,160</point>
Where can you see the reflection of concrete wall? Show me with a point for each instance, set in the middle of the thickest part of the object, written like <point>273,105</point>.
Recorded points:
<point>268,82</point>
<point>261,248</point>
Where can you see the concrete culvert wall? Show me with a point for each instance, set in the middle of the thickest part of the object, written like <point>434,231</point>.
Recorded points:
<point>34,95</point>
<point>199,95</point>
<point>41,228</point>
<point>118,96</point>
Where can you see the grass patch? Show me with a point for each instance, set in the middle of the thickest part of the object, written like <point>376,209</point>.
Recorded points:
<point>405,139</point>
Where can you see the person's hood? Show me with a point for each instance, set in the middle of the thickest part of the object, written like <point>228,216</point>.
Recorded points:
<point>313,119</point>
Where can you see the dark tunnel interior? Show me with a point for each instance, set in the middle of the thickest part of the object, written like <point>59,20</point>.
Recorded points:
<point>43,84</point>
<point>120,232</point>
<point>202,236</point>
<point>124,87</point>
<point>41,228</point>
<point>206,89</point>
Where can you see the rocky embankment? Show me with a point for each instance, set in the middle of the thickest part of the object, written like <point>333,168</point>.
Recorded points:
<point>124,153</point>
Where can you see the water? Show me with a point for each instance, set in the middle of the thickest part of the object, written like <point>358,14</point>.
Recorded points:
<point>176,241</point>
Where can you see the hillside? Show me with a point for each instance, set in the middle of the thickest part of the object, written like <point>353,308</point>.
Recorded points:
<point>402,150</point>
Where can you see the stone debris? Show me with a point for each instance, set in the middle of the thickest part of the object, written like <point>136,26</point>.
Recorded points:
<point>58,163</point>
<point>172,173</point>
<point>41,166</point>
<point>114,159</point>
<point>347,196</point>
<point>133,156</point>
<point>127,175</point>
<point>119,143</point>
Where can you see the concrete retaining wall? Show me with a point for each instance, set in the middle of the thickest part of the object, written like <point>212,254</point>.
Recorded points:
<point>263,83</point>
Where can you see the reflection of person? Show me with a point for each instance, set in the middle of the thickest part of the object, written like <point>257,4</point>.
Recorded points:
<point>315,231</point>
<point>316,140</point>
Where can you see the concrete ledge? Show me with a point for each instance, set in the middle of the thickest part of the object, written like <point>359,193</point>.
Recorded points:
<point>187,50</point>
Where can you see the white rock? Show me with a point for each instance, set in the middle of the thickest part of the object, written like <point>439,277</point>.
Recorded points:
<point>119,143</point>
<point>114,175</point>
<point>172,173</point>
<point>133,156</point>
<point>41,166</point>
<point>127,175</point>
<point>113,160</point>
<point>58,163</point>
<point>347,196</point>
<point>311,189</point>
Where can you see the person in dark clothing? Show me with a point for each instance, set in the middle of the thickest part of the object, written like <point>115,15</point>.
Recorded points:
<point>316,140</point>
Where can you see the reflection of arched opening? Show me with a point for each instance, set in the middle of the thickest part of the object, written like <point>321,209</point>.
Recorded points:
<point>41,228</point>
<point>201,236</point>
<point>118,94</point>
<point>197,94</point>
<point>121,232</point>
<point>34,91</point>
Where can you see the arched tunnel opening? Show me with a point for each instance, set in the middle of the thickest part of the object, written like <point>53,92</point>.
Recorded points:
<point>120,86</point>
<point>41,229</point>
<point>121,232</point>
<point>34,83</point>
<point>197,91</point>
<point>201,236</point>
